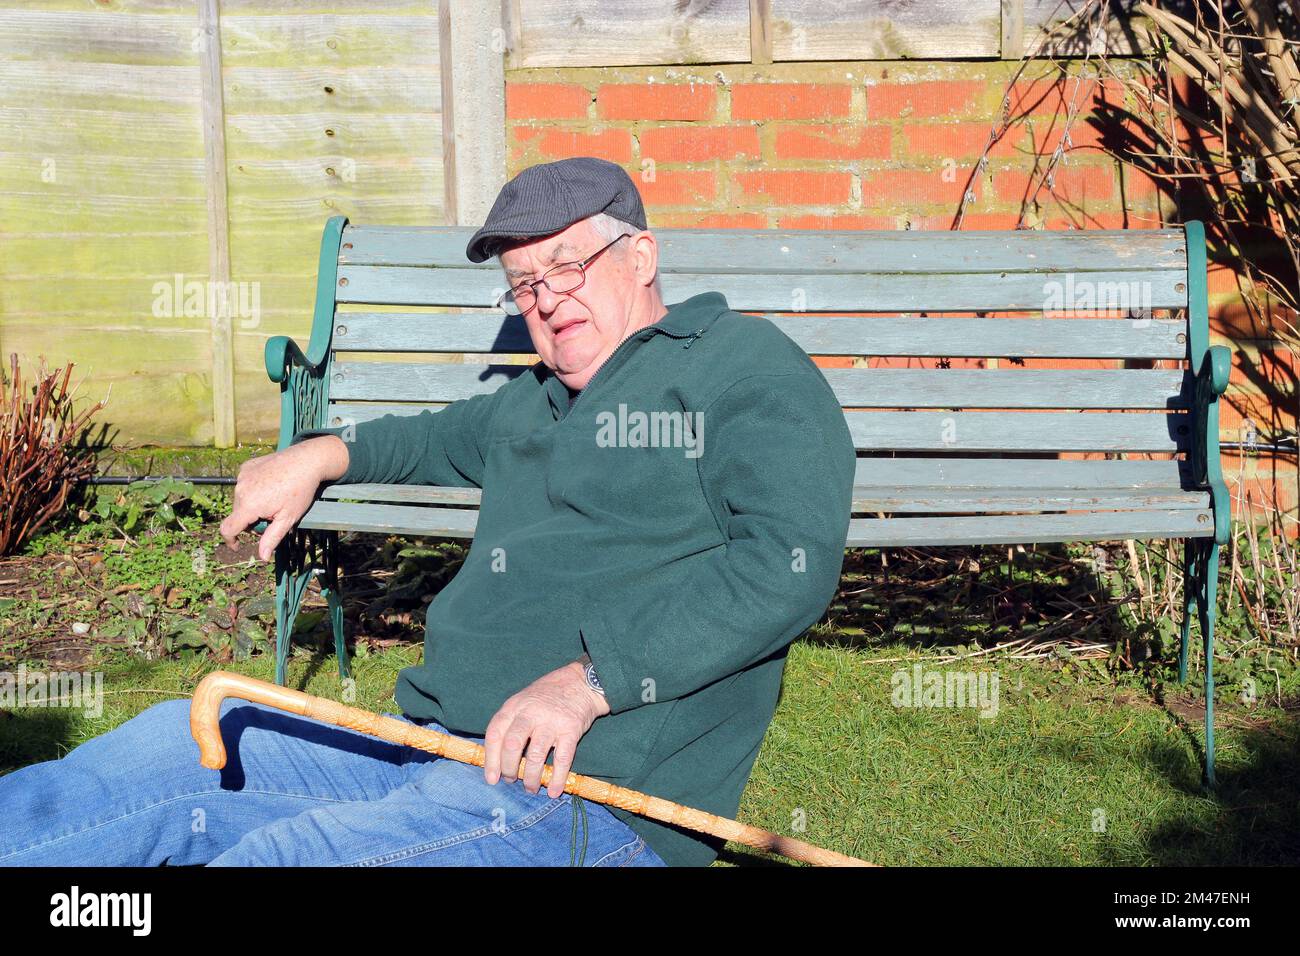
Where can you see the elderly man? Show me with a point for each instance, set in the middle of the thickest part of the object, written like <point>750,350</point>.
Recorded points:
<point>666,497</point>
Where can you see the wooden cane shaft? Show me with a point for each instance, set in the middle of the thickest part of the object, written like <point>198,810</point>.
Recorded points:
<point>205,727</point>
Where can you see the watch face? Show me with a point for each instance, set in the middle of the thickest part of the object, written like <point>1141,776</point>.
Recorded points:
<point>592,680</point>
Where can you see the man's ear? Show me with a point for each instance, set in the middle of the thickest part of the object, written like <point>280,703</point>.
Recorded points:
<point>645,256</point>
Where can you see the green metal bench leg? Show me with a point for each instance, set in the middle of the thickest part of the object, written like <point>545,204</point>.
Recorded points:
<point>334,595</point>
<point>1208,605</point>
<point>1200,587</point>
<point>299,556</point>
<point>1189,604</point>
<point>292,574</point>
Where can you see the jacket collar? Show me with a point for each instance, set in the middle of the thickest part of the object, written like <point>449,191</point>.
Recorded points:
<point>698,312</point>
<point>682,318</point>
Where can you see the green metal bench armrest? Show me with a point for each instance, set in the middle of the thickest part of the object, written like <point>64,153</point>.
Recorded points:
<point>1207,470</point>
<point>1210,377</point>
<point>281,348</point>
<point>280,353</point>
<point>304,377</point>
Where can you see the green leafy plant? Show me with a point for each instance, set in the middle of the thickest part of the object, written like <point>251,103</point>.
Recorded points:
<point>153,505</point>
<point>422,570</point>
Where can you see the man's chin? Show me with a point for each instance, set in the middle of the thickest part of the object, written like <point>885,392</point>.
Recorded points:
<point>574,371</point>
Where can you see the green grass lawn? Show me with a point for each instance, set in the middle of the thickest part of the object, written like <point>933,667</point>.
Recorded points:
<point>1072,770</point>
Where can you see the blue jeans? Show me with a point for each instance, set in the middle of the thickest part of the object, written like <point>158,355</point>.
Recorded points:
<point>294,792</point>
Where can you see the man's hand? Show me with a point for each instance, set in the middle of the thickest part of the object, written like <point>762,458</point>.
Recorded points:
<point>553,711</point>
<point>281,487</point>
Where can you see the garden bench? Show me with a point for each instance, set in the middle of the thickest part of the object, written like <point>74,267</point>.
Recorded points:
<point>960,455</point>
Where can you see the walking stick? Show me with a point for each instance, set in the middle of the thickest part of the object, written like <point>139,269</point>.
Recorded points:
<point>205,710</point>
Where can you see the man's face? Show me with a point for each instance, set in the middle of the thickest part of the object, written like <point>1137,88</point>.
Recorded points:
<point>575,332</point>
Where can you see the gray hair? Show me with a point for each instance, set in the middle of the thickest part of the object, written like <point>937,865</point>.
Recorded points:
<point>605,226</point>
<point>609,229</point>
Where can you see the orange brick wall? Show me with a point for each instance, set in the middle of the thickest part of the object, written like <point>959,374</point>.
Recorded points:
<point>881,146</point>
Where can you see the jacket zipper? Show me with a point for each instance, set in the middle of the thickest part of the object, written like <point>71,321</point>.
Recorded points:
<point>637,335</point>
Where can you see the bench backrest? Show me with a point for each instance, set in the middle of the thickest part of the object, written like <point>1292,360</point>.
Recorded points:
<point>1017,294</point>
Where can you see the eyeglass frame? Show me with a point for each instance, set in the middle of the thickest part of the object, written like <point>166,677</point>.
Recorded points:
<point>541,280</point>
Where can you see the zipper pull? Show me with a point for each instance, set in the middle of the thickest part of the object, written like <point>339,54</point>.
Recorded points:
<point>694,335</point>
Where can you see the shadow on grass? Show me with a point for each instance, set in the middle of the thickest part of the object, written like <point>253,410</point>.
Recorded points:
<point>35,735</point>
<point>1255,817</point>
<point>1250,818</point>
<point>743,858</point>
<point>32,734</point>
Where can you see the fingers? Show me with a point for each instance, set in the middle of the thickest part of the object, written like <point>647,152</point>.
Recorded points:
<point>522,734</point>
<point>228,530</point>
<point>507,735</point>
<point>235,522</point>
<point>273,535</point>
<point>565,748</point>
<point>241,515</point>
<point>512,749</point>
<point>241,518</point>
<point>496,729</point>
<point>539,745</point>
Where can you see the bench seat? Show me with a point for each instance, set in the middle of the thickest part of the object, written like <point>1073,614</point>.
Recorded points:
<point>975,515</point>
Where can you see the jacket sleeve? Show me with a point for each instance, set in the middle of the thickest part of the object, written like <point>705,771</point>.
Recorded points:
<point>778,474</point>
<point>432,448</point>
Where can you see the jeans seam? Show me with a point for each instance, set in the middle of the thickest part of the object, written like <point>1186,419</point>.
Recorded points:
<point>618,850</point>
<point>533,818</point>
<point>153,806</point>
<point>635,853</point>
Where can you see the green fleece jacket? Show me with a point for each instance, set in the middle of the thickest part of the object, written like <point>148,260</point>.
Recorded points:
<point>682,521</point>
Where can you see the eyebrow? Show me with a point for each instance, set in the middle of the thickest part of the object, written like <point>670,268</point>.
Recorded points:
<point>563,247</point>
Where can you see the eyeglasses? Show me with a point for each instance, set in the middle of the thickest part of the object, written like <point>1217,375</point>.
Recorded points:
<point>566,277</point>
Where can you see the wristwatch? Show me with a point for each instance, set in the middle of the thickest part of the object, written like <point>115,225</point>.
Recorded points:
<point>589,672</point>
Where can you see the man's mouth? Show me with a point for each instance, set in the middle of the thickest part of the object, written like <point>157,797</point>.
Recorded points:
<point>569,328</point>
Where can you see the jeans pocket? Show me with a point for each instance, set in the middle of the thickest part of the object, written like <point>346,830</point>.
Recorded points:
<point>633,853</point>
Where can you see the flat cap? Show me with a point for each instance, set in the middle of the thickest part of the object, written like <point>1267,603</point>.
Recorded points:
<point>549,197</point>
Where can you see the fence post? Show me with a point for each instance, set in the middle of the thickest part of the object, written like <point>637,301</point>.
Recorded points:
<point>1013,29</point>
<point>473,45</point>
<point>214,167</point>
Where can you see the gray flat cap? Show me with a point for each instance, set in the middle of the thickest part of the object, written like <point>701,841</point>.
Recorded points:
<point>549,197</point>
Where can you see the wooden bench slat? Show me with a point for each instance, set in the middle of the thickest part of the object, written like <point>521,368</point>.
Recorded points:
<point>812,251</point>
<point>929,431</point>
<point>921,500</point>
<point>831,292</point>
<point>391,519</point>
<point>955,432</point>
<point>854,388</point>
<point>404,494</point>
<point>816,334</point>
<point>960,472</point>
<point>489,332</point>
<point>1029,529</point>
<point>955,471</point>
<point>906,499</point>
<point>863,532</point>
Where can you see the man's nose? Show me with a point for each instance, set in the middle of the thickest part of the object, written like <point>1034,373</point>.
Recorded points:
<point>547,301</point>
